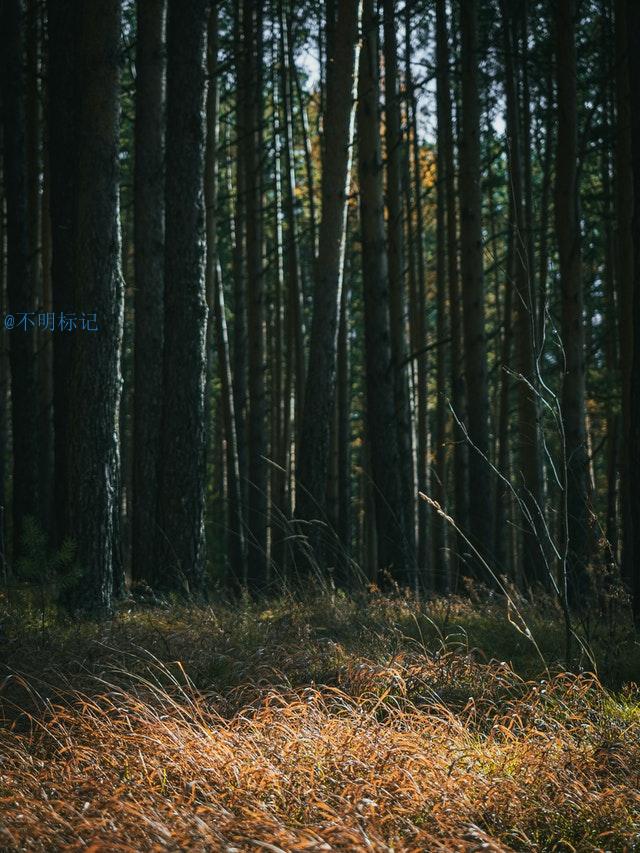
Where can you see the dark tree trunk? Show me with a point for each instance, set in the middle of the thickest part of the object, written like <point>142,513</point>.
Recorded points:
<point>446,173</point>
<point>180,537</point>
<point>633,436</point>
<point>418,317</point>
<point>625,278</point>
<point>63,99</point>
<point>528,431</point>
<point>396,254</point>
<point>312,469</point>
<point>567,203</point>
<point>480,503</point>
<point>20,278</point>
<point>5,403</point>
<point>257,515</point>
<point>295,326</point>
<point>439,531</point>
<point>239,353</point>
<point>149,280</point>
<point>391,524</point>
<point>217,316</point>
<point>94,377</point>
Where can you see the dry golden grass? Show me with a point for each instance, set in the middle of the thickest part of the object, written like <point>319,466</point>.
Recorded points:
<point>403,748</point>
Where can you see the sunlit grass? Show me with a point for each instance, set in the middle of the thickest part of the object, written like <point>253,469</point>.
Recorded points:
<point>363,723</point>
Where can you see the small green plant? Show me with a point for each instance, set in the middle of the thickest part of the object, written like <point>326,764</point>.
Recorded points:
<point>51,573</point>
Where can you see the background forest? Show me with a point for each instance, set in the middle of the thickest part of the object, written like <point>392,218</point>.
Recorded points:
<point>333,258</point>
<point>319,439</point>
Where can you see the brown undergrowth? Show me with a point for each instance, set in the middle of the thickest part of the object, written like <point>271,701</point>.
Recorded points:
<point>274,732</point>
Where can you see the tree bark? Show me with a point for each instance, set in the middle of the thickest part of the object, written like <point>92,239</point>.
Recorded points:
<point>567,199</point>
<point>394,554</point>
<point>396,255</point>
<point>217,315</point>
<point>624,178</point>
<point>257,514</point>
<point>180,540</point>
<point>320,384</point>
<point>20,280</point>
<point>94,377</point>
<point>529,480</point>
<point>446,173</point>
<point>149,281</point>
<point>62,121</point>
<point>633,436</point>
<point>480,503</point>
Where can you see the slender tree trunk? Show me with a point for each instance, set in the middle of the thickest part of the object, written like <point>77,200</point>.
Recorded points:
<point>611,343</point>
<point>320,385</point>
<point>20,277</point>
<point>5,402</point>
<point>62,120</point>
<point>625,277</point>
<point>503,460</point>
<point>480,503</point>
<point>180,540</point>
<point>217,314</point>
<point>293,273</point>
<point>457,402</point>
<point>439,531</point>
<point>149,281</point>
<point>529,478</point>
<point>239,354</point>
<point>344,440</point>
<point>47,437</point>
<point>396,254</point>
<point>633,436</point>
<point>279,324</point>
<point>94,378</point>
<point>568,236</point>
<point>257,423</point>
<point>391,524</point>
<point>418,316</point>
<point>543,244</point>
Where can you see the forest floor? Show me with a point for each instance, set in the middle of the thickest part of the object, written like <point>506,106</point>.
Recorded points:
<point>318,723</point>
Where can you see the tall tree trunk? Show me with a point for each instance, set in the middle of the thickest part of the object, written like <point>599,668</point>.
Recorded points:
<point>320,384</point>
<point>633,436</point>
<point>280,420</point>
<point>293,273</point>
<point>611,343</point>
<point>529,448</point>
<point>344,440</point>
<point>391,524</point>
<point>62,121</point>
<point>239,353</point>
<point>396,255</point>
<point>503,460</point>
<point>47,437</point>
<point>625,277</point>
<point>5,403</point>
<point>439,531</point>
<point>257,426</point>
<point>568,236</point>
<point>20,278</point>
<point>217,314</point>
<point>180,539</point>
<point>418,314</point>
<point>446,173</point>
<point>149,280</point>
<point>94,378</point>
<point>480,503</point>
